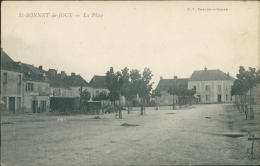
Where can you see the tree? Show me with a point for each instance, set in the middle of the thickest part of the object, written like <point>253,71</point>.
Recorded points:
<point>85,97</point>
<point>141,85</point>
<point>173,90</point>
<point>155,94</point>
<point>116,82</point>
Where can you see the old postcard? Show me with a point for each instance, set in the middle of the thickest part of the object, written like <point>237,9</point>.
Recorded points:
<point>129,83</point>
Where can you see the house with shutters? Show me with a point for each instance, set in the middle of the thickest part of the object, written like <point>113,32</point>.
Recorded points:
<point>167,99</point>
<point>11,85</point>
<point>212,86</point>
<point>36,90</point>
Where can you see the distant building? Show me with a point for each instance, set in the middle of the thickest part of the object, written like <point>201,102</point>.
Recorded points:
<point>75,82</point>
<point>211,86</point>
<point>98,85</point>
<point>57,86</point>
<point>163,86</point>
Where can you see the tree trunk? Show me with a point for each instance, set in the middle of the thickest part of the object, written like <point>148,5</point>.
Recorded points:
<point>142,109</point>
<point>128,107</point>
<point>245,101</point>
<point>173,103</point>
<point>156,103</point>
<point>250,104</point>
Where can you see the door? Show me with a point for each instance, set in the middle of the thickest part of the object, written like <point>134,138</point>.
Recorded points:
<point>219,98</point>
<point>43,106</point>
<point>12,104</point>
<point>34,106</point>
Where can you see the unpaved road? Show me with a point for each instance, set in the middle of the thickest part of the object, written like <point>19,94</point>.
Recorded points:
<point>163,137</point>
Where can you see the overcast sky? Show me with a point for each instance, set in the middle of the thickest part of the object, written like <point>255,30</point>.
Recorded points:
<point>162,36</point>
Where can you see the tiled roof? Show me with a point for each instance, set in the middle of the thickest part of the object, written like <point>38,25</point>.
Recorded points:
<point>164,84</point>
<point>55,80</point>
<point>98,82</point>
<point>7,63</point>
<point>209,75</point>
<point>75,80</point>
<point>33,74</point>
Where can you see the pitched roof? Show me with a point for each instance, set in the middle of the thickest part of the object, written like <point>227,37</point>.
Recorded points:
<point>98,82</point>
<point>209,75</point>
<point>55,80</point>
<point>75,80</point>
<point>164,84</point>
<point>7,62</point>
<point>34,74</point>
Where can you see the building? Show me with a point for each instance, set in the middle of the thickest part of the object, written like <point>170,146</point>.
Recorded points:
<point>75,83</point>
<point>11,85</point>
<point>57,86</point>
<point>23,87</point>
<point>36,90</point>
<point>211,86</point>
<point>98,85</point>
<point>163,86</point>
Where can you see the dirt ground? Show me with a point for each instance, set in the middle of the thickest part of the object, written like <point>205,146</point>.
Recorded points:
<point>191,136</point>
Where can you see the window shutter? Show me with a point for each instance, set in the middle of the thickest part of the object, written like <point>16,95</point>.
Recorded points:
<point>34,87</point>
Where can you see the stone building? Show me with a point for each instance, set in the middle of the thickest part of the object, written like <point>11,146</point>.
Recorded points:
<point>212,86</point>
<point>163,86</point>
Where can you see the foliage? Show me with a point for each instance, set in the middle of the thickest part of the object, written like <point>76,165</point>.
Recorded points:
<point>85,97</point>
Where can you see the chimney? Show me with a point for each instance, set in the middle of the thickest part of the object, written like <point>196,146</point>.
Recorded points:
<point>205,69</point>
<point>2,50</point>
<point>72,74</point>
<point>52,71</point>
<point>161,78</point>
<point>40,67</point>
<point>228,76</point>
<point>56,72</point>
<point>175,78</point>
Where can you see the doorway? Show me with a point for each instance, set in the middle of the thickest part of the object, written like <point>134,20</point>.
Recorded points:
<point>219,98</point>
<point>34,106</point>
<point>12,104</point>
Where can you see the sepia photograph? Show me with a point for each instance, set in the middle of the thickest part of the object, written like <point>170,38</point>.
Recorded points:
<point>129,83</point>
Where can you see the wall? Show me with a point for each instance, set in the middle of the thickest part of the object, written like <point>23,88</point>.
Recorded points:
<point>214,91</point>
<point>61,92</point>
<point>11,89</point>
<point>166,99</point>
<point>39,93</point>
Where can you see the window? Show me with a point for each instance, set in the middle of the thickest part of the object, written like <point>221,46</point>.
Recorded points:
<point>230,98</point>
<point>207,87</point>
<point>5,78</point>
<point>4,99</point>
<point>97,93</point>
<point>18,103</point>
<point>207,97</point>
<point>226,97</point>
<point>226,87</point>
<point>219,87</point>
<point>160,101</point>
<point>79,89</point>
<point>29,86</point>
<point>19,79</point>
<point>194,87</point>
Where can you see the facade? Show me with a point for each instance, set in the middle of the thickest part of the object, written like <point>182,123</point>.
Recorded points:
<point>36,90</point>
<point>23,87</point>
<point>11,85</point>
<point>212,86</point>
<point>167,99</point>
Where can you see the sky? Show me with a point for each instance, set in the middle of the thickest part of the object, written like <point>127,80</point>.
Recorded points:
<point>163,36</point>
